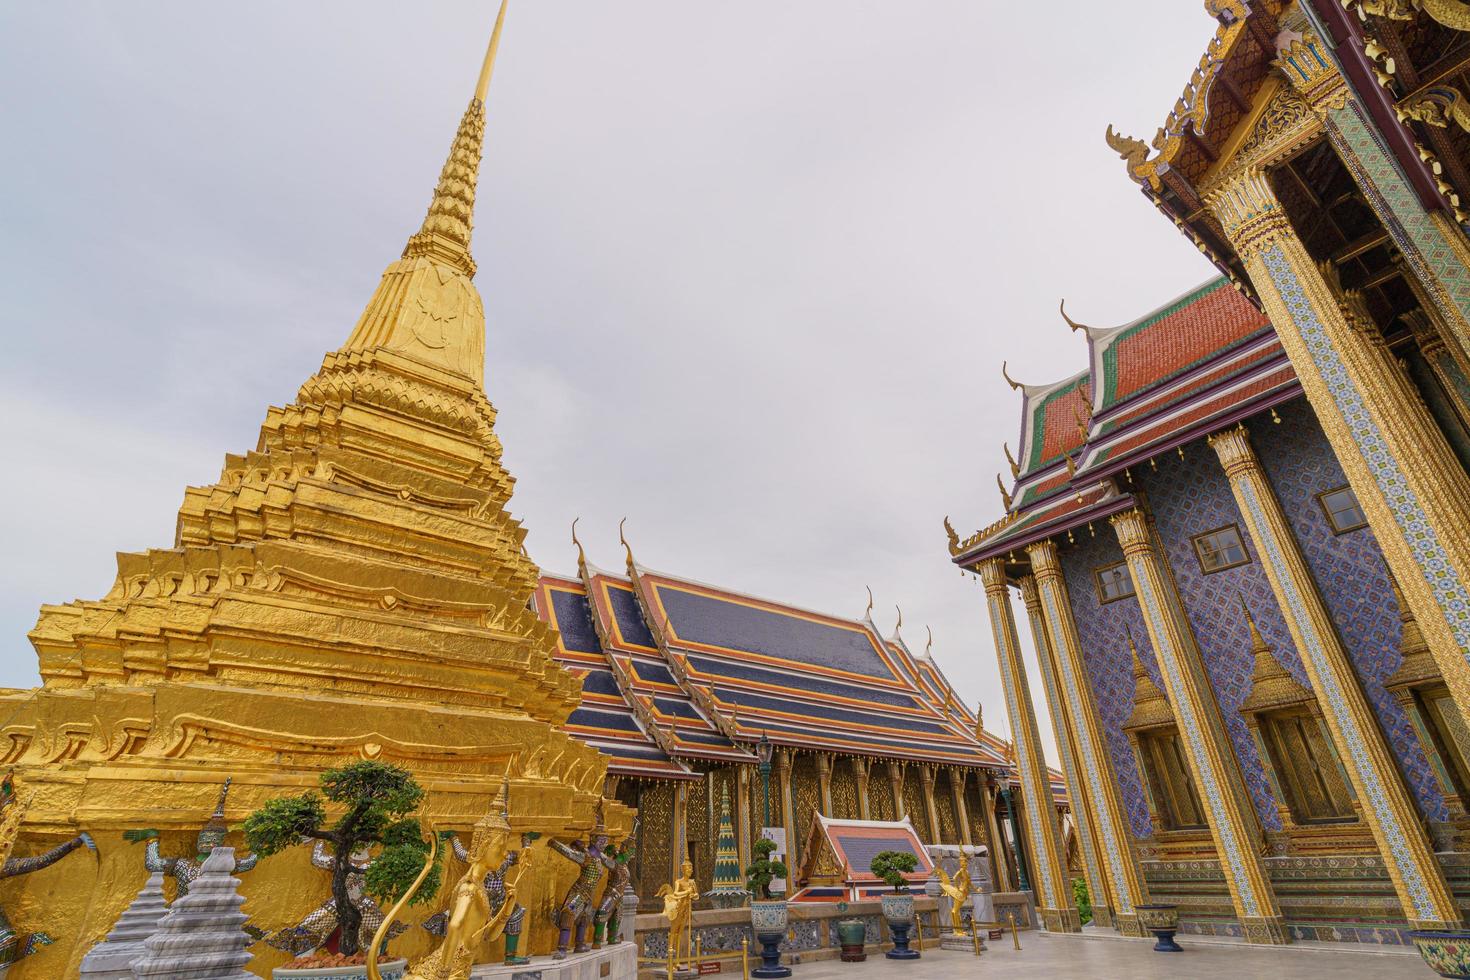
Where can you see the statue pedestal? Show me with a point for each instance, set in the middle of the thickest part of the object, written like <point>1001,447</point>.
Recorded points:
<point>618,962</point>
<point>964,944</point>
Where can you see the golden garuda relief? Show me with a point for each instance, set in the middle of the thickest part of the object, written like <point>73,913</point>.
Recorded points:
<point>353,587</point>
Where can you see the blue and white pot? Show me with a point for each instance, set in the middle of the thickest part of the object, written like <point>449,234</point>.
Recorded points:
<point>899,911</point>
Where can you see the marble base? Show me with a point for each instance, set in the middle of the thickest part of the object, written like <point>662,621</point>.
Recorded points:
<point>964,944</point>
<point>619,962</point>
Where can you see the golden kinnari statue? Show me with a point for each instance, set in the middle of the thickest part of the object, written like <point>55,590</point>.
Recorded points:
<point>352,587</point>
<point>679,899</point>
<point>957,890</point>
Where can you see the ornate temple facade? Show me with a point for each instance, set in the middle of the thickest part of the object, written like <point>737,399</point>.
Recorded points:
<point>681,680</point>
<point>1241,533</point>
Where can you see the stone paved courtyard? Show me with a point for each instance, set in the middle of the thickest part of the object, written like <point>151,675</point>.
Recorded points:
<point>1088,958</point>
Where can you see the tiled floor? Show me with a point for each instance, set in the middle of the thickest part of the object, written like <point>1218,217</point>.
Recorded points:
<point>1108,958</point>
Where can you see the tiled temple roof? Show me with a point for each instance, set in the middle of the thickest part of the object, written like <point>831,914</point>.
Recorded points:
<point>805,679</point>
<point>676,670</point>
<point>1191,367</point>
<point>605,719</point>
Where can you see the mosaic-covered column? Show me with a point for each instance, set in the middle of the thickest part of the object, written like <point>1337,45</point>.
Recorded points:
<point>680,851</point>
<point>1053,887</point>
<point>931,806</point>
<point>1232,819</point>
<point>1410,486</point>
<point>824,782</point>
<point>860,776</point>
<point>1434,250</point>
<point>1387,806</point>
<point>1065,727</point>
<point>895,781</point>
<point>957,800</point>
<point>743,833</point>
<point>788,810</point>
<point>1000,869</point>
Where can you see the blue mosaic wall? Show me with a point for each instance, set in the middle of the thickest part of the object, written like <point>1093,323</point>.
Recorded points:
<point>1190,496</point>
<point>1350,574</point>
<point>1103,630</point>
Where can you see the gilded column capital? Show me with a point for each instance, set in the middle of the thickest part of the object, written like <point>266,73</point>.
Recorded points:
<point>993,576</point>
<point>1234,449</point>
<point>1303,59</point>
<point>1249,212</point>
<point>1030,594</point>
<point>859,767</point>
<point>1045,562</point>
<point>926,776</point>
<point>824,764</point>
<point>1131,527</point>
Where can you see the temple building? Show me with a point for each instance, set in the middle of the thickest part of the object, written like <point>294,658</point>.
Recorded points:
<point>681,681</point>
<point>1241,533</point>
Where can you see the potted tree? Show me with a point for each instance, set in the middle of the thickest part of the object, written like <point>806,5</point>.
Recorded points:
<point>375,799</point>
<point>767,915</point>
<point>898,908</point>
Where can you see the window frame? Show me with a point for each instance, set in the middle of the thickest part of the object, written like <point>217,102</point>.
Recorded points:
<point>1327,513</point>
<point>1102,598</point>
<point>1199,555</point>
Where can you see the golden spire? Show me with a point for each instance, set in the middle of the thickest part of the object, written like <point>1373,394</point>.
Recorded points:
<point>425,304</point>
<point>1258,642</point>
<point>445,235</point>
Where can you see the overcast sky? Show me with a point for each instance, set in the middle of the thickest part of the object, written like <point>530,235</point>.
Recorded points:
<point>749,270</point>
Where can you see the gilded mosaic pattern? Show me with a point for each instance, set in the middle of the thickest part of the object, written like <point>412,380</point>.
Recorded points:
<point>1191,728</point>
<point>1191,496</point>
<point>699,826</point>
<point>1444,584</point>
<point>880,794</point>
<point>1104,629</point>
<point>655,831</point>
<point>913,801</point>
<point>1361,151</point>
<point>1115,846</point>
<point>975,810</point>
<point>1335,702</point>
<point>806,797</point>
<point>1037,818</point>
<point>1347,568</point>
<point>1081,813</point>
<point>844,791</point>
<point>949,832</point>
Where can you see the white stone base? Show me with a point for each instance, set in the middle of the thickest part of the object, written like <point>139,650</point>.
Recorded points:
<point>618,962</point>
<point>963,944</point>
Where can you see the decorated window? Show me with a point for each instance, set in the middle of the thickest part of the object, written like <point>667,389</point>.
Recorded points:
<point>1113,582</point>
<point>1342,510</point>
<point>1176,803</point>
<point>1306,767</point>
<point>1220,549</point>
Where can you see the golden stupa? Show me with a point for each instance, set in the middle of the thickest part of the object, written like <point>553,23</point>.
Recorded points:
<point>354,588</point>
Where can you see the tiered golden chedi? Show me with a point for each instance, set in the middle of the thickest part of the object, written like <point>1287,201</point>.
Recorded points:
<point>353,588</point>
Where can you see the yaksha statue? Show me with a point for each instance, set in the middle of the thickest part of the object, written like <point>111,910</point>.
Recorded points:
<point>13,946</point>
<point>316,929</point>
<point>576,911</point>
<point>495,892</point>
<point>185,870</point>
<point>610,912</point>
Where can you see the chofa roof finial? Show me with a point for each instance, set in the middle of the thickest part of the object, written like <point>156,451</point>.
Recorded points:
<point>623,540</point>
<point>581,555</point>
<point>1071,322</point>
<point>1005,373</point>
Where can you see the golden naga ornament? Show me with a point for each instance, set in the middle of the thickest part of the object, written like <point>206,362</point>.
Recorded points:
<point>351,587</point>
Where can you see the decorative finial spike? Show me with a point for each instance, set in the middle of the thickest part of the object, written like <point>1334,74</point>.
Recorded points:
<point>929,645</point>
<point>482,87</point>
<point>626,546</point>
<point>898,625</point>
<point>1070,322</point>
<point>868,612</point>
<point>1005,373</point>
<point>1011,460</point>
<point>581,555</point>
<point>1004,494</point>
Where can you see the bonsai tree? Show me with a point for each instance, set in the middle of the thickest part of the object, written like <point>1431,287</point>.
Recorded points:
<point>891,866</point>
<point>762,871</point>
<point>376,799</point>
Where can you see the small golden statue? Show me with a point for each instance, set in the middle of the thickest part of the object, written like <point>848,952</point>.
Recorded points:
<point>472,920</point>
<point>957,890</point>
<point>679,901</point>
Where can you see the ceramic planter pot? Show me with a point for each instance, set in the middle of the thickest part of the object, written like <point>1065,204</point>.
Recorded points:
<point>851,935</point>
<point>899,911</point>
<point>390,969</point>
<point>1163,922</point>
<point>768,919</point>
<point>1446,953</point>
